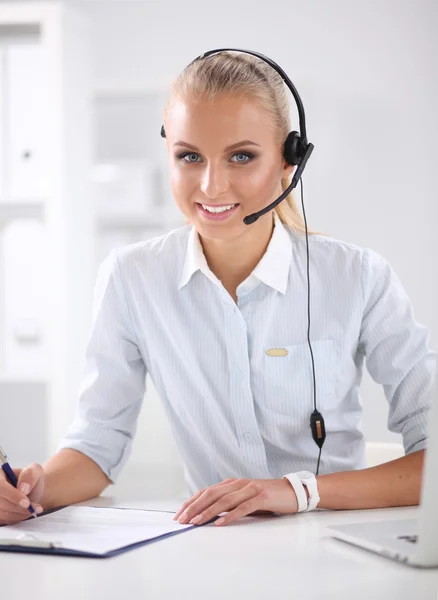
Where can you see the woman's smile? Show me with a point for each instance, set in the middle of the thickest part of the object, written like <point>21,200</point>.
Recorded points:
<point>217,212</point>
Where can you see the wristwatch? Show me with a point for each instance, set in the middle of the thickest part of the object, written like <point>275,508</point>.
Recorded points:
<point>309,480</point>
<point>299,490</point>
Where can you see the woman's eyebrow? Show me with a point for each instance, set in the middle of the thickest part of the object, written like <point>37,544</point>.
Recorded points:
<point>242,143</point>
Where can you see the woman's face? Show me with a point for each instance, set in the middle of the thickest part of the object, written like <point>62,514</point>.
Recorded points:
<point>223,154</point>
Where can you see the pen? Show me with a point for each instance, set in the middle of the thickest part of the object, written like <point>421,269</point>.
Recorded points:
<point>10,475</point>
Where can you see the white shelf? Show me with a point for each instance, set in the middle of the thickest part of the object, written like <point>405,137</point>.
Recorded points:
<point>61,132</point>
<point>136,224</point>
<point>32,208</point>
<point>154,218</point>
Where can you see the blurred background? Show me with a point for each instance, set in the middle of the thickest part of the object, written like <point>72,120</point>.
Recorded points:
<point>83,169</point>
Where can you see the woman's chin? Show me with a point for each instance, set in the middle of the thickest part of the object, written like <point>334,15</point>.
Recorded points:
<point>224,232</point>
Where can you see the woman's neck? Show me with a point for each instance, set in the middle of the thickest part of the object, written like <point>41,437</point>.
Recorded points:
<point>232,261</point>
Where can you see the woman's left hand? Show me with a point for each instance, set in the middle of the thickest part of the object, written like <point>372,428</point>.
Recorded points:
<point>241,497</point>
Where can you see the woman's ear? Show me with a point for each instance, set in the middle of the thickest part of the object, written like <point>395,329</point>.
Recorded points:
<point>288,170</point>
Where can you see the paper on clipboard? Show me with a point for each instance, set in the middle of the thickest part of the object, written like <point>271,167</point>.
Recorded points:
<point>90,529</point>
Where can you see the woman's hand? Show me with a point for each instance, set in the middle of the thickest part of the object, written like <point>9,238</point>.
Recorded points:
<point>241,497</point>
<point>14,502</point>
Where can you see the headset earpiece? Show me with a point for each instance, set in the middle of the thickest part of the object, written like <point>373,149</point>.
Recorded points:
<point>293,150</point>
<point>162,132</point>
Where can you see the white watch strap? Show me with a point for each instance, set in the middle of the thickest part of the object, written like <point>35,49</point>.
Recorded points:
<point>309,480</point>
<point>299,490</point>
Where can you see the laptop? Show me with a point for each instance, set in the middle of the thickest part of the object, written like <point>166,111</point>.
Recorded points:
<point>410,541</point>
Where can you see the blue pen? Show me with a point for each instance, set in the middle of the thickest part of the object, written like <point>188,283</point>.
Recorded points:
<point>11,477</point>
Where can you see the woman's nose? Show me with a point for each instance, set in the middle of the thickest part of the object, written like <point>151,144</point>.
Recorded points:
<point>214,181</point>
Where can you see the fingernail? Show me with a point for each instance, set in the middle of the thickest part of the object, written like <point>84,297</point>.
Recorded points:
<point>196,519</point>
<point>25,488</point>
<point>38,509</point>
<point>220,521</point>
<point>183,518</point>
<point>24,503</point>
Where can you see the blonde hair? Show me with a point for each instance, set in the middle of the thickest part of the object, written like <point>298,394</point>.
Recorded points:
<point>243,75</point>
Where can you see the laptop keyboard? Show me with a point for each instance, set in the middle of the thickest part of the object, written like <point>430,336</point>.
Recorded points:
<point>413,539</point>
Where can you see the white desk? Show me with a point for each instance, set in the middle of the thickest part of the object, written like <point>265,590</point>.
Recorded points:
<point>269,558</point>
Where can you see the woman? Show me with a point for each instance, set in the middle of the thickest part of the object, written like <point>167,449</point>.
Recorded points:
<point>216,312</point>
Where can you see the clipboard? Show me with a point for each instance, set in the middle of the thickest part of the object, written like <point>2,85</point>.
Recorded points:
<point>30,544</point>
<point>33,546</point>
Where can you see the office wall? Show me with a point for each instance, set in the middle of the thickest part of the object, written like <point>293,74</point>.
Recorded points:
<point>367,76</point>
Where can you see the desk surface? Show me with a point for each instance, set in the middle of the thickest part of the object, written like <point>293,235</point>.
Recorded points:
<point>273,558</point>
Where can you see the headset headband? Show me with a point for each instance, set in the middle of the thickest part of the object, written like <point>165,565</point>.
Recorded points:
<point>287,81</point>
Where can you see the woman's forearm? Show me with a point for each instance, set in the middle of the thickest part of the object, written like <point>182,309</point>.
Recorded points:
<point>69,477</point>
<point>395,483</point>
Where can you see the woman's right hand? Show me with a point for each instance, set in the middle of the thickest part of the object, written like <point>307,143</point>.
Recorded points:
<point>14,502</point>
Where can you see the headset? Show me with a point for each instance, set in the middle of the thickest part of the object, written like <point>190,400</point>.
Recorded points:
<point>296,151</point>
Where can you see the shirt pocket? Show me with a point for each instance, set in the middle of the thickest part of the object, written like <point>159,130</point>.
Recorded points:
<point>288,380</point>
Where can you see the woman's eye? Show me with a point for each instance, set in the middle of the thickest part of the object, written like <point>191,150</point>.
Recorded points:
<point>190,156</point>
<point>242,156</point>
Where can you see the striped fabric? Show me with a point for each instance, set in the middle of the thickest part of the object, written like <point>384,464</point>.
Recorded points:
<point>235,409</point>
